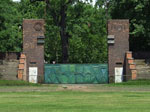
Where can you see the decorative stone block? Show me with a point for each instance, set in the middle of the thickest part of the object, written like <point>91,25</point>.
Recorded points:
<point>134,74</point>
<point>132,66</point>
<point>21,66</point>
<point>20,74</point>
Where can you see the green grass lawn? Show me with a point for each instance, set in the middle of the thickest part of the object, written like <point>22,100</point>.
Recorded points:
<point>75,98</point>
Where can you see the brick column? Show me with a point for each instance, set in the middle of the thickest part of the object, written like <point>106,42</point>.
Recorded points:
<point>33,47</point>
<point>118,45</point>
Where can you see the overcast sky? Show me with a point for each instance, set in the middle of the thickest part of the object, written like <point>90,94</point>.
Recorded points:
<point>16,0</point>
<point>83,0</point>
<point>92,0</point>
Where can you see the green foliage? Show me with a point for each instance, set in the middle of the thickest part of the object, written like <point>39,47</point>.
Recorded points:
<point>137,11</point>
<point>85,28</point>
<point>10,31</point>
<point>30,10</point>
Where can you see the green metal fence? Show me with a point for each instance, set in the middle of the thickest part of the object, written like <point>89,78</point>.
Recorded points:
<point>76,73</point>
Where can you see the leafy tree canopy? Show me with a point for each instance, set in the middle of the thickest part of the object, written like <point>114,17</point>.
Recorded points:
<point>84,28</point>
<point>138,12</point>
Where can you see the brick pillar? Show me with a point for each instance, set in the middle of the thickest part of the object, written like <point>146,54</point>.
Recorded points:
<point>33,47</point>
<point>118,45</point>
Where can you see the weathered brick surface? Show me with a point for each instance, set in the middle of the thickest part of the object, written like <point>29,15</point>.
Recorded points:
<point>23,56</point>
<point>132,66</point>
<point>129,55</point>
<point>21,66</point>
<point>143,68</point>
<point>116,52</point>
<point>34,52</point>
<point>134,74</point>
<point>20,74</point>
<point>8,69</point>
<point>22,60</point>
<point>130,61</point>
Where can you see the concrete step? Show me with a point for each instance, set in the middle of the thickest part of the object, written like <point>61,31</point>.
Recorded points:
<point>139,61</point>
<point>142,67</point>
<point>143,72</point>
<point>143,76</point>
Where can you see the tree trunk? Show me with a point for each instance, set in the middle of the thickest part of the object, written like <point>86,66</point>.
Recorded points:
<point>63,34</point>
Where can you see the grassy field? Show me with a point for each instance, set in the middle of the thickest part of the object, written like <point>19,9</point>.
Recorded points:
<point>130,97</point>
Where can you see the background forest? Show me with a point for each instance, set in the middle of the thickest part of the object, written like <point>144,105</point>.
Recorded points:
<point>75,31</point>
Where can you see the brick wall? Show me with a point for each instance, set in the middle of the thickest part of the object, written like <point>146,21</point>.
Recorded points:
<point>8,69</point>
<point>9,65</point>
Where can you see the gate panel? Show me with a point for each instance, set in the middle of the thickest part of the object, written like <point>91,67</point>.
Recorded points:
<point>76,73</point>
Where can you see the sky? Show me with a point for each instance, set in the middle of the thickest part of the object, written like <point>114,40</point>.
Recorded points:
<point>16,0</point>
<point>93,1</point>
<point>82,0</point>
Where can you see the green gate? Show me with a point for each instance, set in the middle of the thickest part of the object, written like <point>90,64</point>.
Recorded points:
<point>76,73</point>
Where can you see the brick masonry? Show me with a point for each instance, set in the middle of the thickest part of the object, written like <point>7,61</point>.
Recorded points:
<point>116,51</point>
<point>130,68</point>
<point>34,52</point>
<point>8,69</point>
<point>22,68</point>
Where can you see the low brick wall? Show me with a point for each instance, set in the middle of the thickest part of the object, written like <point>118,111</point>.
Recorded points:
<point>8,69</point>
<point>9,65</point>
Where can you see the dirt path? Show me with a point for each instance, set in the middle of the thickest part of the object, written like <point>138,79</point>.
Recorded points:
<point>75,87</point>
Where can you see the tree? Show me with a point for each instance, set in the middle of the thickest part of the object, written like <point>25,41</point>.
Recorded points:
<point>137,11</point>
<point>85,30</point>
<point>10,30</point>
<point>75,31</point>
<point>62,22</point>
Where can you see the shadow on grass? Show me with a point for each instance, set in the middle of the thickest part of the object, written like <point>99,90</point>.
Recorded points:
<point>16,83</point>
<point>132,82</point>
